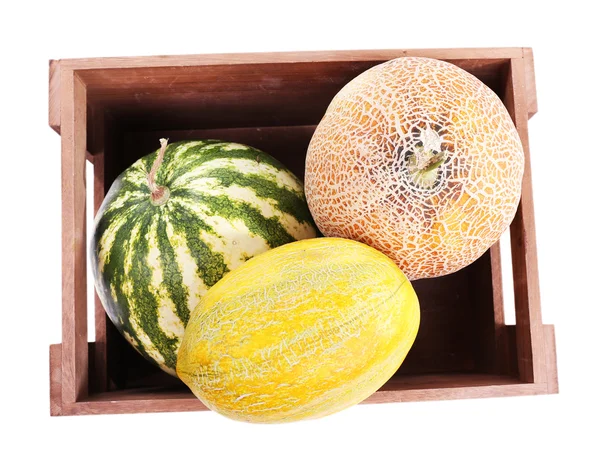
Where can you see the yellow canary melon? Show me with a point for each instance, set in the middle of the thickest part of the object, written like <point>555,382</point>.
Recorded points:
<point>300,331</point>
<point>418,159</point>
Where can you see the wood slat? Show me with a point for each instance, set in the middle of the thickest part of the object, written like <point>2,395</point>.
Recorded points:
<point>532,104</point>
<point>139,82</point>
<point>550,360</point>
<point>54,96</point>
<point>481,321</point>
<point>74,239</point>
<point>551,363</point>
<point>501,360</point>
<point>170,72</point>
<point>397,389</point>
<point>55,380</point>
<point>454,380</point>
<point>96,148</point>
<point>237,95</point>
<point>404,389</point>
<point>530,338</point>
<point>430,392</point>
<point>289,57</point>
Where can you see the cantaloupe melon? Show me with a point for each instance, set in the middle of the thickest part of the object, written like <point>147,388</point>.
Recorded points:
<point>419,159</point>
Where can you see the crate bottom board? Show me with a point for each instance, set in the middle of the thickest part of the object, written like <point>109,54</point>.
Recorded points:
<point>410,388</point>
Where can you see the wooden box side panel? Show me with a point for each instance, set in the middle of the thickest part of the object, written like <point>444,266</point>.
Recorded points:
<point>106,71</point>
<point>529,330</point>
<point>74,356</point>
<point>398,389</point>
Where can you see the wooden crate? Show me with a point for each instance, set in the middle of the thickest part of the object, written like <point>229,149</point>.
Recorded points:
<point>111,111</point>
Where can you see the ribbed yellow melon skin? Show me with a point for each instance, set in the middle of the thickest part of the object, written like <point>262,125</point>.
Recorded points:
<point>301,331</point>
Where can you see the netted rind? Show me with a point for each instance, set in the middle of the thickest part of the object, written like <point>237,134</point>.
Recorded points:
<point>419,159</point>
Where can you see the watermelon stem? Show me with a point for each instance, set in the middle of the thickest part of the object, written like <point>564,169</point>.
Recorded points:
<point>158,194</point>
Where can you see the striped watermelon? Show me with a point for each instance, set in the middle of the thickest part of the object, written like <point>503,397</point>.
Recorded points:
<point>175,222</point>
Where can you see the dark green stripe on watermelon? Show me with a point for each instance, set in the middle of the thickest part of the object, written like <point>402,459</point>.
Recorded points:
<point>285,200</point>
<point>113,275</point>
<point>269,229</point>
<point>120,186</point>
<point>198,154</point>
<point>172,277</point>
<point>188,224</point>
<point>191,158</point>
<point>252,154</point>
<point>143,299</point>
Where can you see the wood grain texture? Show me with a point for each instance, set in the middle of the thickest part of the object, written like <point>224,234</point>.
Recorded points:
<point>239,95</point>
<point>530,339</point>
<point>74,240</point>
<point>551,362</point>
<point>461,389</point>
<point>55,380</point>
<point>179,401</point>
<point>54,96</point>
<point>398,389</point>
<point>288,57</point>
<point>532,104</point>
<point>114,85</point>
<point>166,75</point>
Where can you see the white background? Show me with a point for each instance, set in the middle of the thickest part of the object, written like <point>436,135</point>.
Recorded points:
<point>544,432</point>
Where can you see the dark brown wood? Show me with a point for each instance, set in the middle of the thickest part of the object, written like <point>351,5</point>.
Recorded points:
<point>530,338</point>
<point>243,95</point>
<point>288,144</point>
<point>512,359</point>
<point>96,141</point>
<point>142,85</point>
<point>482,315</point>
<point>74,240</point>
<point>181,76</point>
<point>116,345</point>
<point>447,336</point>
<point>122,106</point>
<point>501,359</point>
